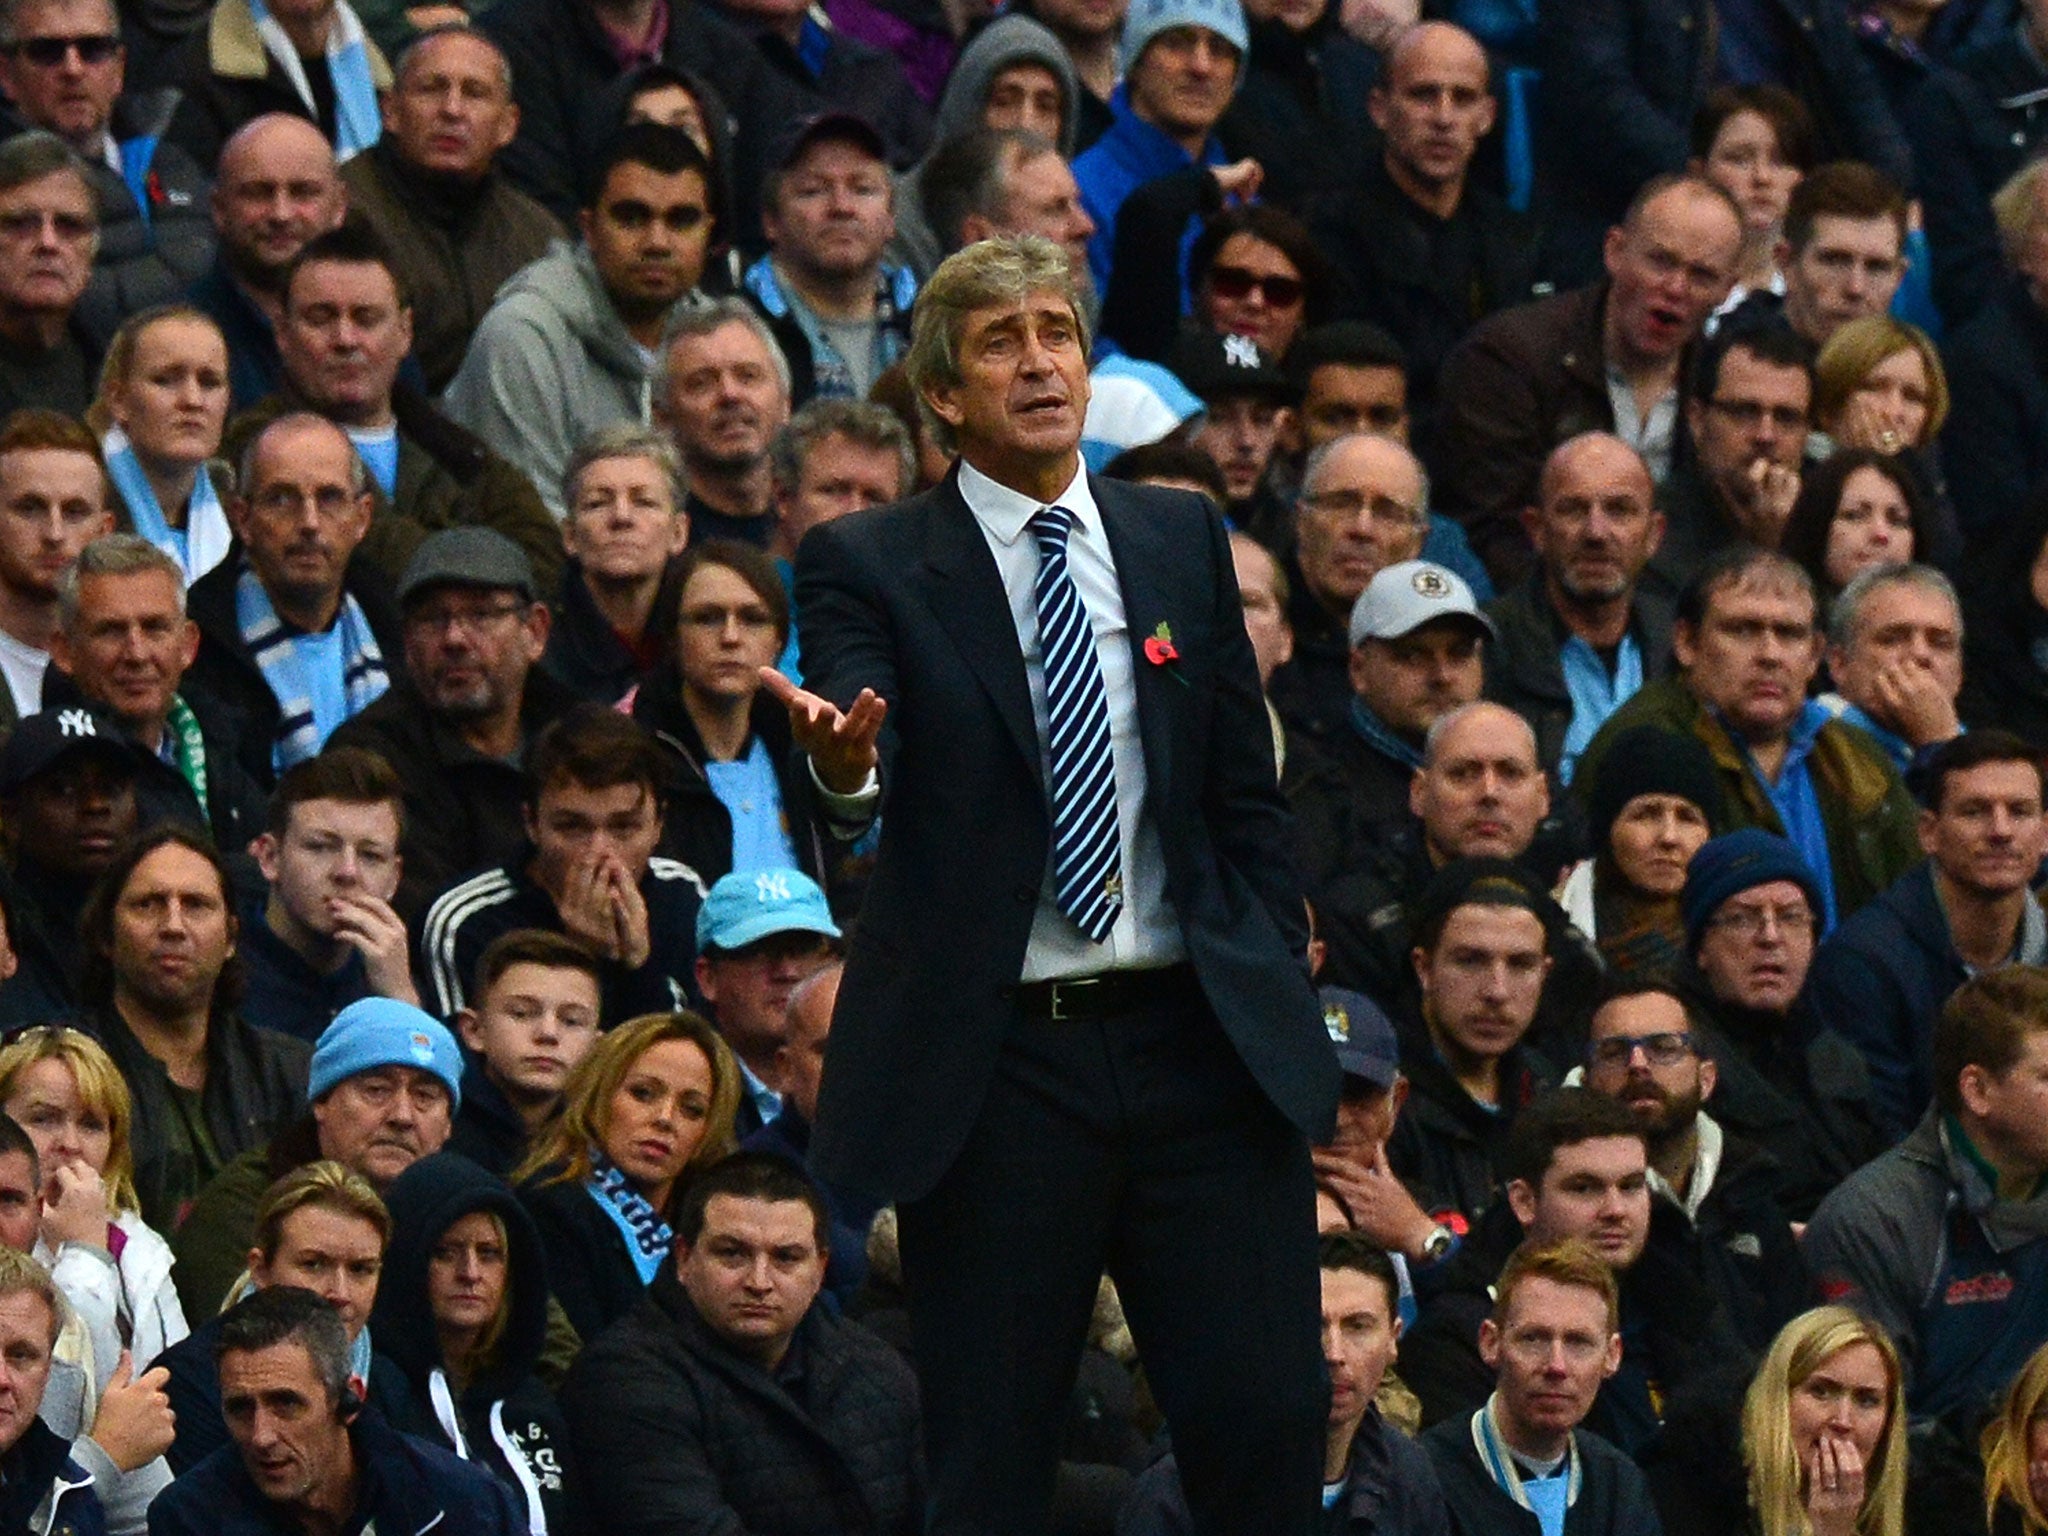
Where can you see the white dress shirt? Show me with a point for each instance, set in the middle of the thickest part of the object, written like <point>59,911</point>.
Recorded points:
<point>1147,930</point>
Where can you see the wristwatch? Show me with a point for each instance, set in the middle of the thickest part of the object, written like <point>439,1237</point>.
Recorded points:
<point>1438,1244</point>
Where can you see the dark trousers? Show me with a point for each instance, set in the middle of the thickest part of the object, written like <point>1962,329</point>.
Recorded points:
<point>1139,1144</point>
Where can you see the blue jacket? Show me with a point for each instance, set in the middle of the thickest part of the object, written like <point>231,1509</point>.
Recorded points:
<point>43,1490</point>
<point>406,1487</point>
<point>1131,153</point>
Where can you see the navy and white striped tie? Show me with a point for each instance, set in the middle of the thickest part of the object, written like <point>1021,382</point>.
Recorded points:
<point>1086,852</point>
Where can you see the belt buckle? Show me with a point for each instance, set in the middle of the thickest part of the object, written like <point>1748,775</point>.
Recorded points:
<point>1061,990</point>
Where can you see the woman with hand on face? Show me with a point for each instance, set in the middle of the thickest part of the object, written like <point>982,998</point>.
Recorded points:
<point>1879,385</point>
<point>162,406</point>
<point>58,1085</point>
<point>1824,1430</point>
<point>2015,1449</point>
<point>652,1102</point>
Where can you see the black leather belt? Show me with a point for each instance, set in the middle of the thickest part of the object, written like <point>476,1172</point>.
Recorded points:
<point>1111,992</point>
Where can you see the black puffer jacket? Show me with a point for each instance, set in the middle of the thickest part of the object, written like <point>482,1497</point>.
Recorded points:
<point>697,1437</point>
<point>507,1421</point>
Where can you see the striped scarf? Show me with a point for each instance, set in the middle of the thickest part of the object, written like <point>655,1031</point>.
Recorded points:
<point>275,648</point>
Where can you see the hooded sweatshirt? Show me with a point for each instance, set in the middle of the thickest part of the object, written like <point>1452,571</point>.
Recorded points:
<point>550,364</point>
<point>503,1419</point>
<point>1007,40</point>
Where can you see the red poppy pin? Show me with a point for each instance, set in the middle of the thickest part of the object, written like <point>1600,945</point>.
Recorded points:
<point>1159,649</point>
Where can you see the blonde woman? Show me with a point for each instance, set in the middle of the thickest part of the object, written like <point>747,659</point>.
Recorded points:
<point>60,1087</point>
<point>1824,1430</point>
<point>2016,1455</point>
<point>160,413</point>
<point>1878,383</point>
<point>652,1103</point>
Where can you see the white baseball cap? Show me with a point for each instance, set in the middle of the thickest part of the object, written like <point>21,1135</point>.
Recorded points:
<point>1404,597</point>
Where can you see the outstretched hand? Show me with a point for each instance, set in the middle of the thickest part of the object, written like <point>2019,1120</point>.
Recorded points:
<point>840,743</point>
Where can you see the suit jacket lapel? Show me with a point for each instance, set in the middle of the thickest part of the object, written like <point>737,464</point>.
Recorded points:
<point>1142,554</point>
<point>966,593</point>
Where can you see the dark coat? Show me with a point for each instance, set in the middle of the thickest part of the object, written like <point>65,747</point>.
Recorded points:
<point>463,810</point>
<point>1522,666</point>
<point>1445,1144</point>
<point>487,1130</point>
<point>2005,633</point>
<point>1300,109</point>
<point>848,75</point>
<point>148,255</point>
<point>1995,443</point>
<point>590,1272</point>
<point>38,1467</point>
<point>407,1487</point>
<point>281,991</point>
<point>1613,1499</point>
<point>907,600</point>
<point>586,655</point>
<point>254,366</point>
<point>695,1436</point>
<point>1742,1245</point>
<point>1313,692</point>
<point>425,1201</point>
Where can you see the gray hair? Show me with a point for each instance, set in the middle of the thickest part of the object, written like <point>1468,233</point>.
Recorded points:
<point>858,421</point>
<point>113,554</point>
<point>1846,613</point>
<point>1007,270</point>
<point>409,55</point>
<point>1448,722</point>
<point>699,320</point>
<point>33,155</point>
<point>288,1314</point>
<point>245,470</point>
<point>1312,470</point>
<point>625,440</point>
<point>971,174</point>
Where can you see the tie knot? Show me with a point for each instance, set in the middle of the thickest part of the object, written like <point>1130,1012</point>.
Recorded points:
<point>1050,526</point>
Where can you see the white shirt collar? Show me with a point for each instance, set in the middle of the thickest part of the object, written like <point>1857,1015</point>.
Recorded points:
<point>1005,512</point>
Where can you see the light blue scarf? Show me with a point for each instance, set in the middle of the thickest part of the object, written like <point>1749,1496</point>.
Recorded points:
<point>198,546</point>
<point>363,678</point>
<point>648,1237</point>
<point>357,121</point>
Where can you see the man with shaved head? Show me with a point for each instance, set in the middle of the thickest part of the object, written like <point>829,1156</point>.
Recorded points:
<point>275,189</point>
<point>1426,253</point>
<point>1581,635</point>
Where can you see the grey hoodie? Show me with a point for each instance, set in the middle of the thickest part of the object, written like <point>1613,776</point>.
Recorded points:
<point>1005,41</point>
<point>550,364</point>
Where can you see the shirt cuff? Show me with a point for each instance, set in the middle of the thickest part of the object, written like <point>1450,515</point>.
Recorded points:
<point>858,807</point>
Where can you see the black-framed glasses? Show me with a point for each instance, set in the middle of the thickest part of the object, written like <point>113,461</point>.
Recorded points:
<point>1666,1048</point>
<point>49,52</point>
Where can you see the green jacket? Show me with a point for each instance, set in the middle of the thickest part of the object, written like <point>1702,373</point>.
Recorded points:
<point>1871,820</point>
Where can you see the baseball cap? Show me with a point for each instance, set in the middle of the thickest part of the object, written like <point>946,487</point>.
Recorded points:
<point>845,127</point>
<point>1404,597</point>
<point>1216,366</point>
<point>1362,1035</point>
<point>467,557</point>
<point>45,739</point>
<point>375,1032</point>
<point>745,908</point>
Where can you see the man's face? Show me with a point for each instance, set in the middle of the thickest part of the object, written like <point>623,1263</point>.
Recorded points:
<point>382,1121</point>
<point>1082,18</point>
<point>49,230</point>
<point>1023,390</point>
<point>1552,1351</point>
<point>129,645</point>
<point>468,650</point>
<point>1597,1190</point>
<point>53,502</point>
<point>1433,106</point>
<point>293,1445</point>
<point>1597,525</point>
<point>1024,96</point>
<point>69,819</point>
<point>1416,679</point>
<point>1265,616</point>
<point>1640,1050</point>
<point>1239,434</point>
<point>1989,835</point>
<point>1905,630</point>
<point>172,931</point>
<point>2012,1106</point>
<point>1183,80</point>
<point>1752,655</point>
<point>1756,948</point>
<point>748,989</point>
<point>1360,514</point>
<point>648,236</point>
<point>1849,268</point>
<point>753,1272</point>
<point>65,68</point>
<point>532,1027</point>
<point>839,476</point>
<point>276,190</point>
<point>335,1254</point>
<point>21,1202</point>
<point>302,516</point>
<point>835,213</point>
<point>26,1328</point>
<point>725,635</point>
<point>452,111</point>
<point>725,400</point>
<point>1481,983</point>
<point>1044,199</point>
<point>343,336</point>
<point>332,853</point>
<point>623,526</point>
<point>1758,414</point>
<point>1341,399</point>
<point>1669,269</point>
<point>1483,793</point>
<point>572,826</point>
<point>800,1063</point>
<point>1359,1330</point>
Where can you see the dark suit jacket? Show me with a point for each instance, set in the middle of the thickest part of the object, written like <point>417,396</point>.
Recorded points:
<point>907,600</point>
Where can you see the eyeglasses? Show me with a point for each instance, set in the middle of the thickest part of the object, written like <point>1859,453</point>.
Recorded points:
<point>1751,413</point>
<point>1351,504</point>
<point>1664,1049</point>
<point>436,621</point>
<point>1748,922</point>
<point>1237,283</point>
<point>49,52</point>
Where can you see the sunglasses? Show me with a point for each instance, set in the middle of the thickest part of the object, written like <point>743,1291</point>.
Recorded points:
<point>1240,282</point>
<point>49,52</point>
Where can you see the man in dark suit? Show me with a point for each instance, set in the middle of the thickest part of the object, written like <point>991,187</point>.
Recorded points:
<point>1027,1055</point>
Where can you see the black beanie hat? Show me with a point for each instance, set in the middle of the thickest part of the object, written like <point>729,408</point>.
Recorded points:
<point>1649,760</point>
